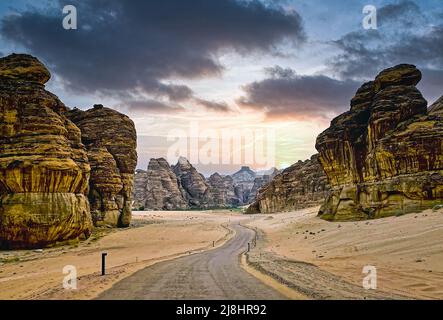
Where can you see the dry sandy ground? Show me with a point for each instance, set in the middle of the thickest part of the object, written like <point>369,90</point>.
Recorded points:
<point>157,236</point>
<point>407,250</point>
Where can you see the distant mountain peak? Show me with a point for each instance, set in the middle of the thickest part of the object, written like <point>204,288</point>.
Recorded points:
<point>244,174</point>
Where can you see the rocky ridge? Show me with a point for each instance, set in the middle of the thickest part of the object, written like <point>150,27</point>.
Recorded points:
<point>47,165</point>
<point>191,190</point>
<point>196,190</point>
<point>384,156</point>
<point>163,190</point>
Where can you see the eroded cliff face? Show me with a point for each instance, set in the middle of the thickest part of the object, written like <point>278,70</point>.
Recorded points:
<point>244,182</point>
<point>57,164</point>
<point>259,182</point>
<point>196,190</point>
<point>44,169</point>
<point>110,140</point>
<point>223,191</point>
<point>302,185</point>
<point>139,190</point>
<point>181,187</point>
<point>162,189</point>
<point>384,156</point>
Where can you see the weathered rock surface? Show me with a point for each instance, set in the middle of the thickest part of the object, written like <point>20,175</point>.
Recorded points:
<point>244,182</point>
<point>223,191</point>
<point>217,191</point>
<point>437,107</point>
<point>196,190</point>
<point>111,141</point>
<point>302,185</point>
<point>384,156</point>
<point>163,190</point>
<point>44,168</point>
<point>259,182</point>
<point>139,190</point>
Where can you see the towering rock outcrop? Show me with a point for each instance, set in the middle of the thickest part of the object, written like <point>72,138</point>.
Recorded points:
<point>384,156</point>
<point>184,187</point>
<point>139,190</point>
<point>244,182</point>
<point>163,190</point>
<point>303,184</point>
<point>223,191</point>
<point>110,140</point>
<point>44,168</point>
<point>197,191</point>
<point>437,107</point>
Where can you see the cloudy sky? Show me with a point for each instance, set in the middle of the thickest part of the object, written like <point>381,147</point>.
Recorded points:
<point>195,69</point>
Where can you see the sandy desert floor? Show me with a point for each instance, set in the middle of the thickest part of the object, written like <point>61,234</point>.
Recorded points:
<point>325,258</point>
<point>407,251</point>
<point>155,236</point>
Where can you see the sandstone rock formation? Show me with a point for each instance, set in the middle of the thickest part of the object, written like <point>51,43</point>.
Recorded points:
<point>193,191</point>
<point>44,169</point>
<point>110,140</point>
<point>259,182</point>
<point>437,107</point>
<point>57,164</point>
<point>303,184</point>
<point>139,190</point>
<point>162,189</point>
<point>244,182</point>
<point>197,190</point>
<point>223,191</point>
<point>384,156</point>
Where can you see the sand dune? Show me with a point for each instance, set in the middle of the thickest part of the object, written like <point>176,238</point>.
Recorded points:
<point>158,236</point>
<point>407,250</point>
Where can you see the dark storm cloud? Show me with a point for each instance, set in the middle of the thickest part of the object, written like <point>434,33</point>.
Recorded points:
<point>279,72</point>
<point>213,105</point>
<point>406,13</point>
<point>404,35</point>
<point>137,44</point>
<point>286,94</point>
<point>150,105</point>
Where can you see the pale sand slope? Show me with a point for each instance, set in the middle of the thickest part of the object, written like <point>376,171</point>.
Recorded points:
<point>407,250</point>
<point>160,235</point>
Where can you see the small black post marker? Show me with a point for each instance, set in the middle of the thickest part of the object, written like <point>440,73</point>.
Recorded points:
<point>213,243</point>
<point>104,263</point>
<point>249,246</point>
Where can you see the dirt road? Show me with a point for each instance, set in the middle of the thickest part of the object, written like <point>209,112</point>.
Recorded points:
<point>214,274</point>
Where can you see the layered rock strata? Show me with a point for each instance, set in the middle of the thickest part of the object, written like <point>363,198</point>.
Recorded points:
<point>58,165</point>
<point>44,169</point>
<point>110,139</point>
<point>244,182</point>
<point>139,190</point>
<point>259,182</point>
<point>196,190</point>
<point>303,184</point>
<point>223,191</point>
<point>163,190</point>
<point>384,156</point>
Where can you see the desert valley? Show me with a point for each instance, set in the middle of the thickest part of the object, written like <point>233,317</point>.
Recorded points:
<point>69,191</point>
